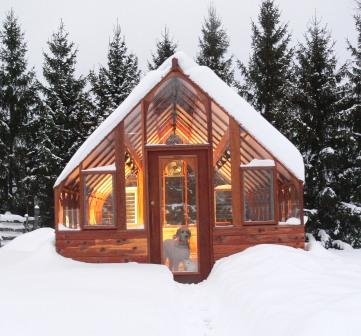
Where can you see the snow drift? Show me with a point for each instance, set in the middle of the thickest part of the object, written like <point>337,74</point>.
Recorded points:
<point>267,289</point>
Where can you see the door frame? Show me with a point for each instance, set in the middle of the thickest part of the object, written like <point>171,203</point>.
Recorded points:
<point>205,225</point>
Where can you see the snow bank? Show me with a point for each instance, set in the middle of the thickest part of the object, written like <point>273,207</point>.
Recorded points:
<point>225,96</point>
<point>31,241</point>
<point>278,290</point>
<point>265,290</point>
<point>45,294</point>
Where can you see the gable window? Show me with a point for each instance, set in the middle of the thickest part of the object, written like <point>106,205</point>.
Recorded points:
<point>176,115</point>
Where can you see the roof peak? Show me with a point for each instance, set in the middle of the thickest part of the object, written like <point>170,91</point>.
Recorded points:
<point>179,59</point>
<point>226,97</point>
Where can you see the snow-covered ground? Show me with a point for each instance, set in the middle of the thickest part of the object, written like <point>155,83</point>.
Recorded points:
<point>265,290</point>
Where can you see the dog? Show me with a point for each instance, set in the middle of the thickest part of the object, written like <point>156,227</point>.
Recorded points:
<point>177,250</point>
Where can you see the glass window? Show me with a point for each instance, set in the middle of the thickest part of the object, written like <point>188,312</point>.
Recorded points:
<point>99,199</point>
<point>133,194</point>
<point>222,167</point>
<point>179,214</point>
<point>69,217</point>
<point>176,115</point>
<point>289,203</point>
<point>133,170</point>
<point>258,195</point>
<point>223,205</point>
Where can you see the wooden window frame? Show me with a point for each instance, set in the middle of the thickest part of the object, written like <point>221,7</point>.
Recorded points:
<point>274,221</point>
<point>221,224</point>
<point>297,186</point>
<point>85,225</point>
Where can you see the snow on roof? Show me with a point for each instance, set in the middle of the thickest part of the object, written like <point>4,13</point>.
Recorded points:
<point>220,92</point>
<point>109,168</point>
<point>259,163</point>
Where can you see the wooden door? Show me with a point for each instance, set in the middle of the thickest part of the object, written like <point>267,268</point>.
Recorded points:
<point>179,211</point>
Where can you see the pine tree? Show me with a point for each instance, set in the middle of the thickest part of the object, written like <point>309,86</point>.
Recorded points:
<point>318,133</point>
<point>166,47</point>
<point>66,112</point>
<point>115,82</point>
<point>268,75</point>
<point>213,46</point>
<point>18,101</point>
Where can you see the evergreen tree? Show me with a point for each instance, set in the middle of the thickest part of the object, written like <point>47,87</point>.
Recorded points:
<point>268,75</point>
<point>18,101</point>
<point>114,83</point>
<point>66,112</point>
<point>349,146</point>
<point>166,47</point>
<point>353,106</point>
<point>318,130</point>
<point>213,46</point>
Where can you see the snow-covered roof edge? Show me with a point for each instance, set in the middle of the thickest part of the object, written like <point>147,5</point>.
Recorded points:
<point>259,163</point>
<point>108,168</point>
<point>252,121</point>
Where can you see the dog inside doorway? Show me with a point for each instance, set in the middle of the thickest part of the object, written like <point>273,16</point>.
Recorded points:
<point>180,249</point>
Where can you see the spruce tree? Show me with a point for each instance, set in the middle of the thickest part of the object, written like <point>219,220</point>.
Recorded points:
<point>213,46</point>
<point>66,100</point>
<point>268,74</point>
<point>318,134</point>
<point>66,112</point>
<point>353,106</point>
<point>349,145</point>
<point>18,101</point>
<point>113,83</point>
<point>166,47</point>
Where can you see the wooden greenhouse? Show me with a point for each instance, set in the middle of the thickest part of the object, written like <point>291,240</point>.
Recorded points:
<point>182,173</point>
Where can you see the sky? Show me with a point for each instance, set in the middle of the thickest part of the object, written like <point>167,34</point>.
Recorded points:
<point>91,23</point>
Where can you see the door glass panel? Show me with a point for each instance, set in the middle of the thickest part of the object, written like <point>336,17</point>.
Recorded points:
<point>179,220</point>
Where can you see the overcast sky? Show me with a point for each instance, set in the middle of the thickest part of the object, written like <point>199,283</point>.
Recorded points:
<point>90,24</point>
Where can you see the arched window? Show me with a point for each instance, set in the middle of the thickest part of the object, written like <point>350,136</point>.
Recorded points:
<point>99,205</point>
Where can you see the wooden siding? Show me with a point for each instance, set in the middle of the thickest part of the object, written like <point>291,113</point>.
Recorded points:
<point>109,246</point>
<point>103,246</point>
<point>227,241</point>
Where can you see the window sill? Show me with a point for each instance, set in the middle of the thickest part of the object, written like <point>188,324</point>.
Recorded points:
<point>260,223</point>
<point>99,227</point>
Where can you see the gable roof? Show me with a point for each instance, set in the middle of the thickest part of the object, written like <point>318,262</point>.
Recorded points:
<point>250,120</point>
